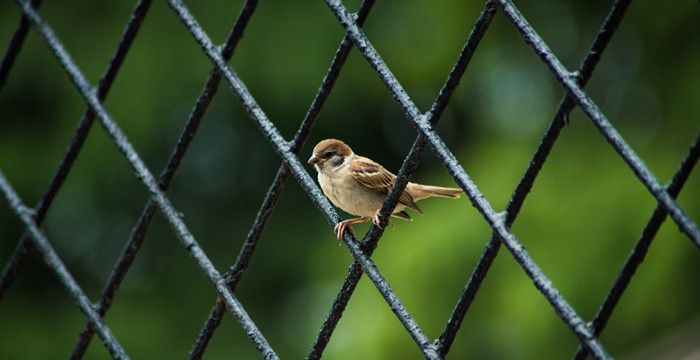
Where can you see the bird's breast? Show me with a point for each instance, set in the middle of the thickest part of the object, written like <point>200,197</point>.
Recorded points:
<point>349,195</point>
<point>334,188</point>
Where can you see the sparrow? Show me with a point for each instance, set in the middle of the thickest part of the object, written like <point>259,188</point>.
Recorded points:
<point>359,186</point>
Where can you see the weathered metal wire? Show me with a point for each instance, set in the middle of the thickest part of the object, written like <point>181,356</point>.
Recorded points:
<point>283,149</point>
<point>241,264</point>
<point>405,172</point>
<point>225,285</point>
<point>15,46</point>
<point>527,181</point>
<point>54,262</point>
<point>139,232</point>
<point>642,247</point>
<point>569,82</point>
<point>145,176</point>
<point>78,139</point>
<point>496,221</point>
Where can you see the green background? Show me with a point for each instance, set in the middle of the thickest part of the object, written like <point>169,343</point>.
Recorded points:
<point>579,223</point>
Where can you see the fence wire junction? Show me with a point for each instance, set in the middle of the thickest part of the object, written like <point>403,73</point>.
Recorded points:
<point>225,284</point>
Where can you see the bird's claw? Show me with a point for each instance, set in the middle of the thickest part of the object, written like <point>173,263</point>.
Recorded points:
<point>340,227</point>
<point>375,220</point>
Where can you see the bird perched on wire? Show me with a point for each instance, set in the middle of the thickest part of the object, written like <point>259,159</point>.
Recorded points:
<point>359,186</point>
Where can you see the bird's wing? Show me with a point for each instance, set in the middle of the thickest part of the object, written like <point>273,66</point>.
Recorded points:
<point>375,176</point>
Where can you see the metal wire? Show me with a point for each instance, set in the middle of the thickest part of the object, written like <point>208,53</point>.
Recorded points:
<point>241,264</point>
<point>406,171</point>
<point>79,135</point>
<point>496,221</point>
<point>51,258</point>
<point>568,81</point>
<point>15,46</point>
<point>640,249</point>
<point>282,147</point>
<point>573,82</point>
<point>139,232</point>
<point>527,181</point>
<point>77,141</point>
<point>148,180</point>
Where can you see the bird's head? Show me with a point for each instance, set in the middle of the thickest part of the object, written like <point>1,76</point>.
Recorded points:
<point>329,152</point>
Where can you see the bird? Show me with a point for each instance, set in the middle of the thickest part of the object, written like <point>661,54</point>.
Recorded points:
<point>359,186</point>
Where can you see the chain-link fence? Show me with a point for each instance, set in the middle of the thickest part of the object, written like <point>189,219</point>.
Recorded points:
<point>424,121</point>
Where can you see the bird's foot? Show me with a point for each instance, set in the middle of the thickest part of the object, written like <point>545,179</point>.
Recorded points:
<point>375,220</point>
<point>340,227</point>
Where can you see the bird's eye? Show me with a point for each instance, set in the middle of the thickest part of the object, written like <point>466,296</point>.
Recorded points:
<point>327,154</point>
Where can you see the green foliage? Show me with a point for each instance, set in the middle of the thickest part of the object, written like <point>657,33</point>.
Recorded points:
<point>580,222</point>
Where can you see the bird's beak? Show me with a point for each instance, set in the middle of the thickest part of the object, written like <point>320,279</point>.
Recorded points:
<point>314,160</point>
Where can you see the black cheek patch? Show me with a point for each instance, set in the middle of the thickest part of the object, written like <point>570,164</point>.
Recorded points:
<point>337,161</point>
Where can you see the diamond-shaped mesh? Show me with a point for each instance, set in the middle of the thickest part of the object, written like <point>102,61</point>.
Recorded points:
<point>225,284</point>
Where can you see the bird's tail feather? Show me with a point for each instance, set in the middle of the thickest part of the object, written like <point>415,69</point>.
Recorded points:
<point>421,191</point>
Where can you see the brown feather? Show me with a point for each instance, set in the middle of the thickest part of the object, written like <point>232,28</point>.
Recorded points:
<point>420,191</point>
<point>375,176</point>
<point>333,146</point>
<point>403,214</point>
